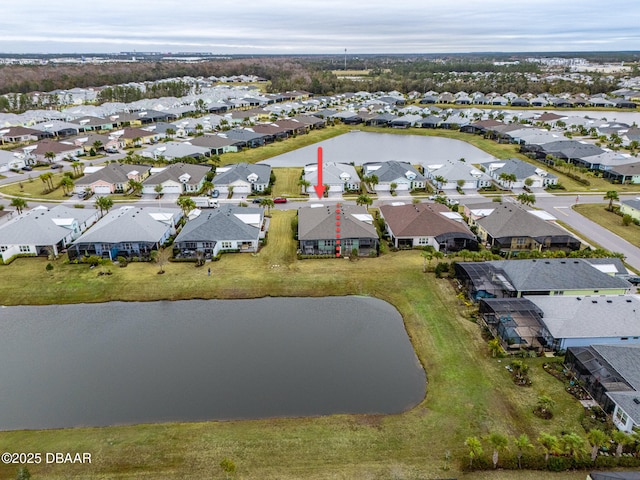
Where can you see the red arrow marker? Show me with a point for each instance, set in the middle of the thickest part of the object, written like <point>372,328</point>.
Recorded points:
<point>319,187</point>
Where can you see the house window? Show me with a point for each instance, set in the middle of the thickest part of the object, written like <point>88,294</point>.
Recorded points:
<point>106,246</point>
<point>521,241</point>
<point>207,244</point>
<point>423,241</point>
<point>226,245</point>
<point>24,249</point>
<point>191,245</point>
<point>3,248</point>
<point>621,417</point>
<point>126,246</point>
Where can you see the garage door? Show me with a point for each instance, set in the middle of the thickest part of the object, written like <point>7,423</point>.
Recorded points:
<point>102,190</point>
<point>335,188</point>
<point>402,187</point>
<point>242,189</point>
<point>169,189</point>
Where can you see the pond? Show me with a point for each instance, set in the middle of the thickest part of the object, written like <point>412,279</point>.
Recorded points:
<point>127,363</point>
<point>361,147</point>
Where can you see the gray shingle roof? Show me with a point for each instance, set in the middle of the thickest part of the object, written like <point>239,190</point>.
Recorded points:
<point>175,170</point>
<point>41,226</point>
<point>113,173</point>
<point>510,220</point>
<point>557,274</point>
<point>517,167</point>
<point>591,316</point>
<point>132,224</point>
<point>224,223</point>
<point>392,170</point>
<point>625,359</point>
<point>319,223</point>
<point>240,171</point>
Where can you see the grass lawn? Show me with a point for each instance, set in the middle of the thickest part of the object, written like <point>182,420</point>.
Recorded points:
<point>468,392</point>
<point>34,187</point>
<point>287,182</point>
<point>598,213</point>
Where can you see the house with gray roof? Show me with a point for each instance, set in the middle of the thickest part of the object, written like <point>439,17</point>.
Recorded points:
<point>112,178</point>
<point>551,276</point>
<point>631,207</point>
<point>445,175</point>
<point>174,150</point>
<point>242,178</point>
<point>340,177</point>
<point>336,230</point>
<point>177,178</point>
<point>511,228</point>
<point>10,160</point>
<point>127,232</point>
<point>216,144</point>
<point>522,170</point>
<point>406,177</point>
<point>246,137</point>
<point>611,375</point>
<point>224,229</point>
<point>44,231</point>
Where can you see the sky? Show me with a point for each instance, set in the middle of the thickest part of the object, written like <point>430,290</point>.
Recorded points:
<point>318,26</point>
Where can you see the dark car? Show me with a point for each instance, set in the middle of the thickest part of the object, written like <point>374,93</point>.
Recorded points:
<point>279,200</point>
<point>256,200</point>
<point>56,166</point>
<point>27,168</point>
<point>215,194</point>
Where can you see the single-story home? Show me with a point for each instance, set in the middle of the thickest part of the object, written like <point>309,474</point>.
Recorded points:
<point>128,232</point>
<point>405,177</point>
<point>112,178</point>
<point>631,207</point>
<point>340,177</point>
<point>228,228</point>
<point>177,178</point>
<point>44,231</point>
<point>243,178</point>
<point>174,150</point>
<point>423,224</point>
<point>498,170</point>
<point>336,230</point>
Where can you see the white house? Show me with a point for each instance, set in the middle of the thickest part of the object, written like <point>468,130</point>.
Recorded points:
<point>340,177</point>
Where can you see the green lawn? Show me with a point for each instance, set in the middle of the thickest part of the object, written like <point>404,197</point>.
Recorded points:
<point>33,187</point>
<point>468,393</point>
<point>598,213</point>
<point>287,182</point>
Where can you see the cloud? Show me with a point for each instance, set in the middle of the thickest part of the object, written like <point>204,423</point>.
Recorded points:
<point>285,26</point>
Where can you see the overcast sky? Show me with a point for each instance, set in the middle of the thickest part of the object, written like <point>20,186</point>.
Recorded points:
<point>324,26</point>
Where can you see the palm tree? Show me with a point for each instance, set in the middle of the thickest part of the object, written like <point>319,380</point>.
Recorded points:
<point>550,444</point>
<point>47,179</point>
<point>522,443</point>
<point>158,190</point>
<point>499,443</point>
<point>528,182</point>
<point>135,186</point>
<point>206,188</point>
<point>97,145</point>
<point>104,204</point>
<point>363,200</point>
<point>49,156</point>
<point>545,404</point>
<point>440,181</point>
<point>611,195</point>
<point>495,348</point>
<point>186,204</point>
<point>304,185</point>
<point>475,448</point>
<point>77,168</point>
<point>67,184</point>
<point>268,203</point>
<point>465,254</point>
<point>392,187</point>
<point>598,439</point>
<point>526,198</point>
<point>572,444</point>
<point>170,132</point>
<point>19,203</point>
<point>621,439</point>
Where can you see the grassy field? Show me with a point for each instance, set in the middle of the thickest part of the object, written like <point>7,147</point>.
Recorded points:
<point>32,187</point>
<point>599,214</point>
<point>287,182</point>
<point>468,393</point>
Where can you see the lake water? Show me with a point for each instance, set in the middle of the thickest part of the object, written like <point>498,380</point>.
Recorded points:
<point>362,147</point>
<point>126,363</point>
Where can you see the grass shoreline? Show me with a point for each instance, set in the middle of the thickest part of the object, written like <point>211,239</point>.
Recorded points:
<point>468,392</point>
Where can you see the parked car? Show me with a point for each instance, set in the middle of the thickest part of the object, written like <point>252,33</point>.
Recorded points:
<point>215,194</point>
<point>83,194</point>
<point>55,166</point>
<point>279,200</point>
<point>27,168</point>
<point>256,200</point>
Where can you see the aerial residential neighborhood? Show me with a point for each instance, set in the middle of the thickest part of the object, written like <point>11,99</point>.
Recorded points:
<point>499,221</point>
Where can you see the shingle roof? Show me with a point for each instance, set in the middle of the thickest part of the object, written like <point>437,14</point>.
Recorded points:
<point>511,220</point>
<point>224,223</point>
<point>518,168</point>
<point>175,170</point>
<point>331,172</point>
<point>113,173</point>
<point>41,226</point>
<point>319,223</point>
<point>392,170</point>
<point>132,224</point>
<point>624,358</point>
<point>591,316</point>
<point>422,220</point>
<point>240,171</point>
<point>557,274</point>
